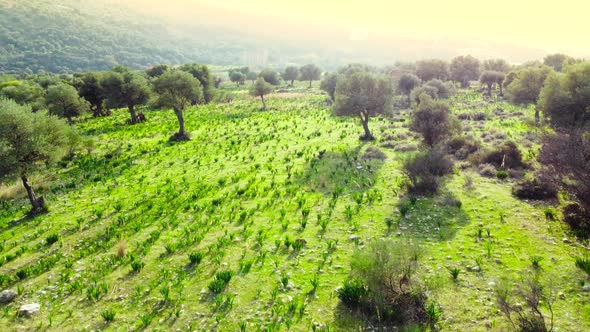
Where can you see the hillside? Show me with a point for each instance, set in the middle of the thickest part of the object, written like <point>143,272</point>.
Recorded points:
<point>69,36</point>
<point>248,182</point>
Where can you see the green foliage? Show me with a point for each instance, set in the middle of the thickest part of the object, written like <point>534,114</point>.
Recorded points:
<point>364,95</point>
<point>464,69</point>
<point>558,61</point>
<point>290,74</point>
<point>425,170</point>
<point>432,120</point>
<point>328,84</point>
<point>206,78</point>
<point>271,76</point>
<point>28,139</point>
<point>565,98</point>
<point>526,85</point>
<point>26,92</point>
<point>63,101</point>
<point>260,89</point>
<point>352,293</point>
<point>431,69</point>
<point>491,78</point>
<point>108,315</point>
<point>497,65</point>
<point>125,88</point>
<point>177,89</point>
<point>309,72</point>
<point>583,263</point>
<point>407,83</point>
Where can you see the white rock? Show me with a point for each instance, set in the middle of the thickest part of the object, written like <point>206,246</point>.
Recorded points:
<point>29,309</point>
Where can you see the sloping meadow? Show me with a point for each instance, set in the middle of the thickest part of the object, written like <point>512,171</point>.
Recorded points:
<point>250,225</point>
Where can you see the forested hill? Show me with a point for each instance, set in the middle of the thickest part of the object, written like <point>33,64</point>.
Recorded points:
<point>67,36</point>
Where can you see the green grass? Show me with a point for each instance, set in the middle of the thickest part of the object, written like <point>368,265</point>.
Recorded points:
<point>277,201</point>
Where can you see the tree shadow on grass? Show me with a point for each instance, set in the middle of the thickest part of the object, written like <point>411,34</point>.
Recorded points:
<point>346,171</point>
<point>431,218</point>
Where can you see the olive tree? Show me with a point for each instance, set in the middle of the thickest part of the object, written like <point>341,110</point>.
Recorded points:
<point>430,69</point>
<point>260,89</point>
<point>90,88</point>
<point>364,95</point>
<point>63,100</point>
<point>526,85</point>
<point>499,65</point>
<point>328,84</point>
<point>176,89</point>
<point>270,76</point>
<point>290,74</point>
<point>206,78</point>
<point>28,141</point>
<point>464,69</point>
<point>310,72</point>
<point>125,88</point>
<point>237,77</point>
<point>26,92</point>
<point>489,78</point>
<point>407,83</point>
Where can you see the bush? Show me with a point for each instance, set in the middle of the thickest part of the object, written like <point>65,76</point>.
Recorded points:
<point>506,156</point>
<point>583,263</point>
<point>424,171</point>
<point>501,174</point>
<point>578,219</point>
<point>487,170</point>
<point>195,257</point>
<point>383,286</point>
<point>352,293</point>
<point>536,188</point>
<point>51,239</point>
<point>373,153</point>
<point>462,147</point>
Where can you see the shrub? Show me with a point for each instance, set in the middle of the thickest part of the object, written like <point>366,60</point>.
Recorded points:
<point>51,239</point>
<point>424,171</point>
<point>487,170</point>
<point>536,188</point>
<point>220,282</point>
<point>462,147</point>
<point>528,316</point>
<point>195,257</point>
<point>583,263</point>
<point>506,156</point>
<point>373,153</point>
<point>383,283</point>
<point>352,293</point>
<point>578,219</point>
<point>108,315</point>
<point>501,174</point>
<point>137,265</point>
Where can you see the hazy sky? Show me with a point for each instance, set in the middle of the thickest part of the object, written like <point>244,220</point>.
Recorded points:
<point>562,25</point>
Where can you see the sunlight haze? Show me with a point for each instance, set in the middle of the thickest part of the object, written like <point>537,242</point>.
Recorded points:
<point>547,25</point>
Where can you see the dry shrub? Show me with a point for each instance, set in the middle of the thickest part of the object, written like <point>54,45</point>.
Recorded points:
<point>121,248</point>
<point>487,170</point>
<point>373,153</point>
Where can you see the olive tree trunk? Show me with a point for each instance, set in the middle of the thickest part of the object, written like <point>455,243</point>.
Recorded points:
<point>364,116</point>
<point>37,204</point>
<point>263,102</point>
<point>133,114</point>
<point>180,117</point>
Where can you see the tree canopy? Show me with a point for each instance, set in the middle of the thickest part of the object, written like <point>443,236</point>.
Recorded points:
<point>526,84</point>
<point>126,88</point>
<point>63,100</point>
<point>271,76</point>
<point>290,74</point>
<point>431,69</point>
<point>310,72</point>
<point>260,89</point>
<point>29,140</point>
<point>464,69</point>
<point>364,95</point>
<point>177,89</point>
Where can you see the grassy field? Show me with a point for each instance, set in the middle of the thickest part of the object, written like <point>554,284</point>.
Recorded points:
<point>127,217</point>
